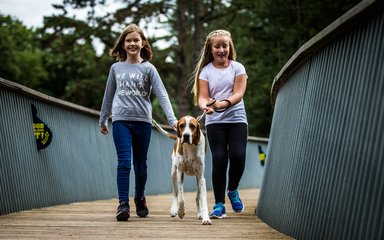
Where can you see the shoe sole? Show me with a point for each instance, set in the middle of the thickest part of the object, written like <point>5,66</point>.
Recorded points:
<point>218,217</point>
<point>241,210</point>
<point>237,211</point>
<point>122,216</point>
<point>143,215</point>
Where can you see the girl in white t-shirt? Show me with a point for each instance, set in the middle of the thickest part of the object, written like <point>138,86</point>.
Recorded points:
<point>219,86</point>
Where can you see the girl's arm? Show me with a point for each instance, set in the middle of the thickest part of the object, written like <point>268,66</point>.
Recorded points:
<point>106,106</point>
<point>238,92</point>
<point>204,97</point>
<point>239,88</point>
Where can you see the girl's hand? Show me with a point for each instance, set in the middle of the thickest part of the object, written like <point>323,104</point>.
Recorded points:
<point>210,106</point>
<point>104,129</point>
<point>211,101</point>
<point>209,110</point>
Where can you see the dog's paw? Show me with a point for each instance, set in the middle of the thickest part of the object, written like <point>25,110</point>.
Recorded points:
<point>206,221</point>
<point>199,216</point>
<point>173,212</point>
<point>181,211</point>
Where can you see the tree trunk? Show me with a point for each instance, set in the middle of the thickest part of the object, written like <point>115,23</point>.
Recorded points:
<point>198,40</point>
<point>190,43</point>
<point>182,66</point>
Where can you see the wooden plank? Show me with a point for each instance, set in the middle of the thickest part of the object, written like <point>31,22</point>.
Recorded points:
<point>96,220</point>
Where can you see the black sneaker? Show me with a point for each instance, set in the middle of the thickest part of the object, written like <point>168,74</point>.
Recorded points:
<point>122,213</point>
<point>141,207</point>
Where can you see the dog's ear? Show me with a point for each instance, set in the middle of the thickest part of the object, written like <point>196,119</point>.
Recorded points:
<point>196,135</point>
<point>178,132</point>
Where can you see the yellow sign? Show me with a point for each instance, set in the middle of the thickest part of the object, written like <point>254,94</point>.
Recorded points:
<point>43,134</point>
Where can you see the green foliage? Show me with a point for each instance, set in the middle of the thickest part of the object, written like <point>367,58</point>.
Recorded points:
<point>79,74</point>
<point>167,71</point>
<point>60,58</point>
<point>21,58</point>
<point>266,34</point>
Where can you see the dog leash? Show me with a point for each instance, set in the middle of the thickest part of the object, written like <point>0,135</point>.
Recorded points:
<point>213,101</point>
<point>205,111</point>
<point>201,116</point>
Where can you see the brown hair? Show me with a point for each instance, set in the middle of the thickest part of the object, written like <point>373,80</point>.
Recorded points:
<point>206,57</point>
<point>118,50</point>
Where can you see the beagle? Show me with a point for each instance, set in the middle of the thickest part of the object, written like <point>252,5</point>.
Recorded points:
<point>188,157</point>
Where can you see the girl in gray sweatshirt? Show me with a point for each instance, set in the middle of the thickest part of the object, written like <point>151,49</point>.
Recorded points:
<point>127,100</point>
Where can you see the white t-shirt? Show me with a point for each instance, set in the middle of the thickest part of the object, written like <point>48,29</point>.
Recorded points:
<point>221,82</point>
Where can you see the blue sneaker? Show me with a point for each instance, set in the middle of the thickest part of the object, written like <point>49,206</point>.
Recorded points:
<point>218,211</point>
<point>237,204</point>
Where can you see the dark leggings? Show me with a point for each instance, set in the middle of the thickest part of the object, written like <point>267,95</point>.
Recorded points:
<point>228,143</point>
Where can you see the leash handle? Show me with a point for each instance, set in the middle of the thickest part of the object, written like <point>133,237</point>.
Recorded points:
<point>213,101</point>
<point>225,109</point>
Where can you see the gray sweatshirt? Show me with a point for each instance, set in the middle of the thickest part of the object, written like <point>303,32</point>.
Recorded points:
<point>127,94</point>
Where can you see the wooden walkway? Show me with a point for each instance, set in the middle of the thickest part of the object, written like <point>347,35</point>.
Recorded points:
<point>96,220</point>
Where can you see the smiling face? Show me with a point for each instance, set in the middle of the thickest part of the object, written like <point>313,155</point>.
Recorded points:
<point>220,50</point>
<point>133,44</point>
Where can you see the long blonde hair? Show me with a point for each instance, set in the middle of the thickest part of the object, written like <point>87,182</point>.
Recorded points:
<point>118,50</point>
<point>206,57</point>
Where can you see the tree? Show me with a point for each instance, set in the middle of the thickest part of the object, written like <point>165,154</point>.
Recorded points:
<point>77,74</point>
<point>266,34</point>
<point>185,21</point>
<point>21,57</point>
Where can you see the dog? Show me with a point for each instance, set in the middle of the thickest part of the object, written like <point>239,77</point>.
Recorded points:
<point>188,157</point>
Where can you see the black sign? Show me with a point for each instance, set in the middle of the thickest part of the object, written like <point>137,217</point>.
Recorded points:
<point>41,131</point>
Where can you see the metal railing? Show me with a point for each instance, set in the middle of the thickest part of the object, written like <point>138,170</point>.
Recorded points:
<point>79,164</point>
<point>324,177</point>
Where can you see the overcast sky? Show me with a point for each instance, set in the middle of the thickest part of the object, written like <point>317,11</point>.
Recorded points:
<point>30,12</point>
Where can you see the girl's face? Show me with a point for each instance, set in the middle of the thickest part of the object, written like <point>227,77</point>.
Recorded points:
<point>220,49</point>
<point>133,44</point>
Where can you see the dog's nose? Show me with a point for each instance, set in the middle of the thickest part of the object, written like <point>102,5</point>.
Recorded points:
<point>186,137</point>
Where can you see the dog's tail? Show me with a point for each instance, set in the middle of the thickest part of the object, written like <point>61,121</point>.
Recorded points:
<point>161,130</point>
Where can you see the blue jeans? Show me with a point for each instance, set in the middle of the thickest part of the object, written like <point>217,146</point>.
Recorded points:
<point>132,143</point>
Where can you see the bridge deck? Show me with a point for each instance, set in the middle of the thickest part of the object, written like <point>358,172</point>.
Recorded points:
<point>96,220</point>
